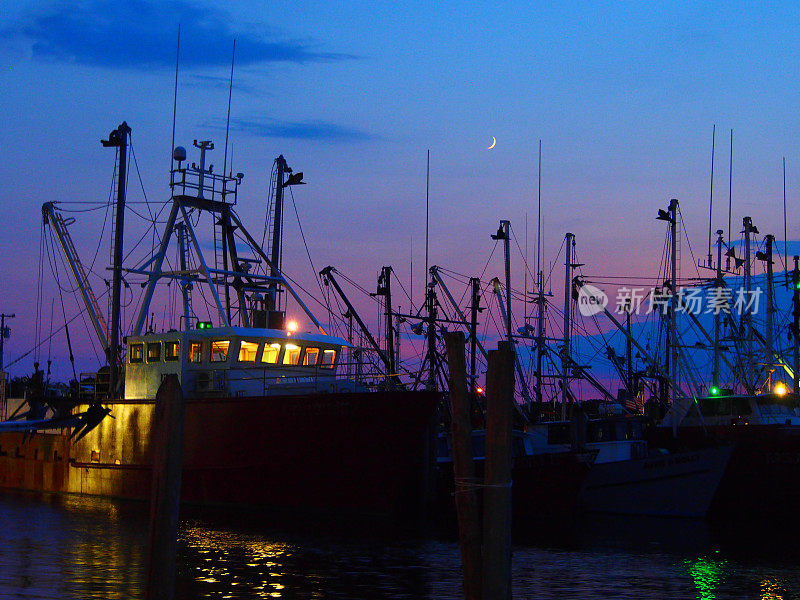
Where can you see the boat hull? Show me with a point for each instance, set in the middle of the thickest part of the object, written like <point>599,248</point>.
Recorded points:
<point>763,476</point>
<point>676,485</point>
<point>328,452</point>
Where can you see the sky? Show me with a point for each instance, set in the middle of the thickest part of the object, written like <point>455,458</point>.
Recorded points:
<point>623,97</point>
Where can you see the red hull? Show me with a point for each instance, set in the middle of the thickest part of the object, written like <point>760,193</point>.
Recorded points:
<point>347,451</point>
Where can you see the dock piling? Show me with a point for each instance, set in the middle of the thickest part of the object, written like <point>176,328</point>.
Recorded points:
<point>469,529</point>
<point>497,478</point>
<point>167,440</point>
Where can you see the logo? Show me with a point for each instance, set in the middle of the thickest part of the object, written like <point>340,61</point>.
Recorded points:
<point>591,300</point>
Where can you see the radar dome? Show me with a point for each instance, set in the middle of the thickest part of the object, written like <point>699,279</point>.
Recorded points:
<point>179,154</point>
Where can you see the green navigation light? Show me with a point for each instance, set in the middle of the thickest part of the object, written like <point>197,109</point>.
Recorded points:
<point>714,390</point>
<point>204,325</point>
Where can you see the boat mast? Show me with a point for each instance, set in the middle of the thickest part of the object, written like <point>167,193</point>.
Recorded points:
<point>385,290</point>
<point>117,139</point>
<point>184,282</point>
<point>540,342</point>
<point>565,350</point>
<point>503,234</point>
<point>718,284</point>
<point>431,335</point>
<point>673,315</point>
<point>275,255</point>
<point>475,284</point>
<point>671,216</point>
<point>747,320</point>
<point>770,357</point>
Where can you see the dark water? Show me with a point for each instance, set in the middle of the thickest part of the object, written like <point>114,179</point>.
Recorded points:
<point>84,548</point>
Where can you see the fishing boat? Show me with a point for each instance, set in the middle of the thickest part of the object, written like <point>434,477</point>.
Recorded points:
<point>634,477</point>
<point>270,421</point>
<point>763,477</point>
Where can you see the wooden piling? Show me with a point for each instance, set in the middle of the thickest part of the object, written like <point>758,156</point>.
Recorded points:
<point>167,444</point>
<point>497,490</point>
<point>469,529</point>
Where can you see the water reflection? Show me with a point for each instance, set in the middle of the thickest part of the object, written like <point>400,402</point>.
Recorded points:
<point>707,575</point>
<point>240,564</point>
<point>83,548</point>
<point>65,547</point>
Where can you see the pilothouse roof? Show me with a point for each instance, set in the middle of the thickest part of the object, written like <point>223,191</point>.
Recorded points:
<point>250,332</point>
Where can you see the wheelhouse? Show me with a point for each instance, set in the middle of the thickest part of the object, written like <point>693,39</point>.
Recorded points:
<point>232,361</point>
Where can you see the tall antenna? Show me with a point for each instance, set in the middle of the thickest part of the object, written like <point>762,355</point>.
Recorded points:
<point>525,283</point>
<point>175,96</point>
<point>539,218</point>
<point>730,189</point>
<point>785,236</point>
<point>228,121</point>
<point>427,196</point>
<point>411,273</point>
<point>711,193</point>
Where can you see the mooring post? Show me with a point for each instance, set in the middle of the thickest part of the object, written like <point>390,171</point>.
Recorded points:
<point>469,529</point>
<point>167,443</point>
<point>497,490</point>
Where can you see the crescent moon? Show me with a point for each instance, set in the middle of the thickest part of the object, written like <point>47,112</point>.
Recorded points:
<point>494,141</point>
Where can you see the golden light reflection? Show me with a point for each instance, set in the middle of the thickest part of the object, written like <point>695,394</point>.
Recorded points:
<point>239,561</point>
<point>771,590</point>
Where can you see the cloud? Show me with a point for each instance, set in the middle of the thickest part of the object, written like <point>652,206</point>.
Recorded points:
<point>139,34</point>
<point>303,130</point>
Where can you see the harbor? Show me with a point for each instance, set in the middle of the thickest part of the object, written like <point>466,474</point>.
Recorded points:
<point>258,353</point>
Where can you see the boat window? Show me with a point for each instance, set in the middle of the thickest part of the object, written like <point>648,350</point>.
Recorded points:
<point>248,351</point>
<point>271,354</point>
<point>153,352</point>
<point>311,356</point>
<point>219,350</point>
<point>292,354</point>
<point>172,350</point>
<point>136,353</point>
<point>328,358</point>
<point>196,352</point>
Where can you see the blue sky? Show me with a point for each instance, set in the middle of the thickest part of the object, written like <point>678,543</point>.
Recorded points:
<point>623,96</point>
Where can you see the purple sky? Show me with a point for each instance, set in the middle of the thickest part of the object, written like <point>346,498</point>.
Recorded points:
<point>623,96</point>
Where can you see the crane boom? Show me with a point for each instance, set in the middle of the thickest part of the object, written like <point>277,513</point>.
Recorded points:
<point>59,225</point>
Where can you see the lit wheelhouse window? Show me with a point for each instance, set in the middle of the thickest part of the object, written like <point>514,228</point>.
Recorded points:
<point>248,351</point>
<point>153,352</point>
<point>310,357</point>
<point>219,350</point>
<point>328,358</point>
<point>172,350</point>
<point>196,352</point>
<point>291,355</point>
<point>136,353</point>
<point>271,352</point>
